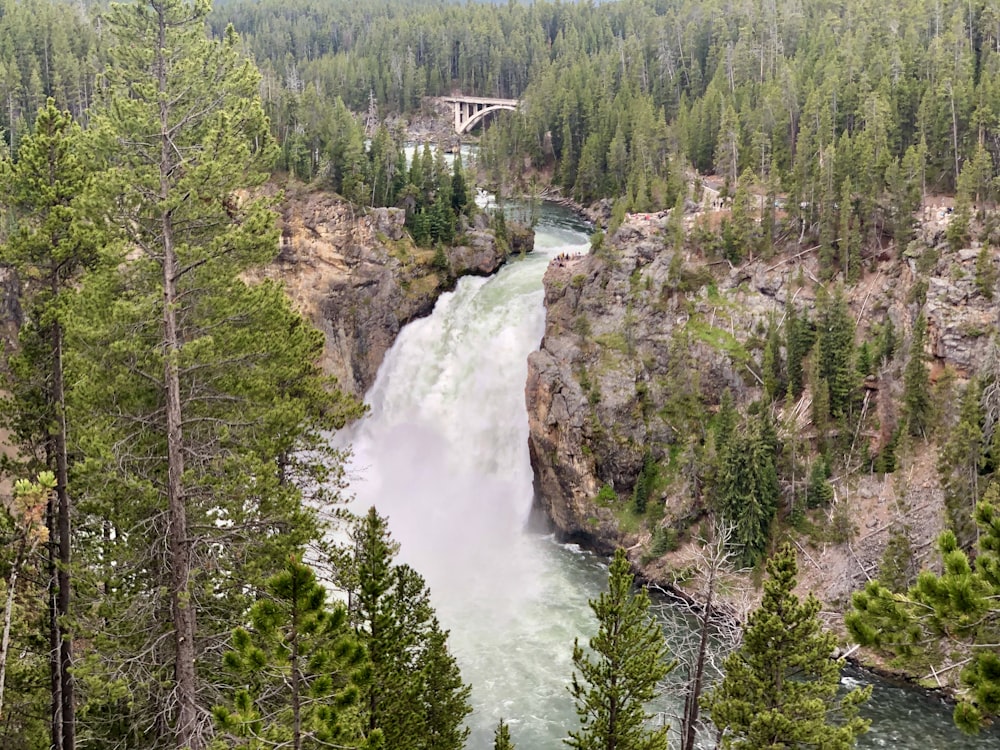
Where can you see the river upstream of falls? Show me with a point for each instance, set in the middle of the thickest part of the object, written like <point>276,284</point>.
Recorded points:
<point>443,453</point>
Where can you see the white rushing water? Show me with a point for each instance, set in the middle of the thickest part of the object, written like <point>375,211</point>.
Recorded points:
<point>444,455</point>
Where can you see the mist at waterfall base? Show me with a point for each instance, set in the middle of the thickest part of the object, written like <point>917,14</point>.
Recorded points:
<point>444,455</point>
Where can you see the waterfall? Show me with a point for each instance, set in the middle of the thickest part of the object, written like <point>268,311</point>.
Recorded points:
<point>444,455</point>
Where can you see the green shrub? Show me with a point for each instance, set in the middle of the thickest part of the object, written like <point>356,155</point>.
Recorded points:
<point>606,496</point>
<point>665,539</point>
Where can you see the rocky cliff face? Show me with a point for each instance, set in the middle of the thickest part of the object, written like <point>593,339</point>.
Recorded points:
<point>642,341</point>
<point>620,343</point>
<point>359,278</point>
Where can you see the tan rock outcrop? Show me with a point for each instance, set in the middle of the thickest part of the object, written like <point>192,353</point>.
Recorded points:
<point>357,276</point>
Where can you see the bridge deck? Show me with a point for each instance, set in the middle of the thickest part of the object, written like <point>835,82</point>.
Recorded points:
<point>481,100</point>
<point>471,110</point>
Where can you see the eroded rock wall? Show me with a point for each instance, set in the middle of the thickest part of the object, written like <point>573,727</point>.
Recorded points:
<point>359,278</point>
<point>640,340</point>
<point>616,348</point>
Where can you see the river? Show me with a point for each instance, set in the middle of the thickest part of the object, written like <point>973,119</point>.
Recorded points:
<point>444,455</point>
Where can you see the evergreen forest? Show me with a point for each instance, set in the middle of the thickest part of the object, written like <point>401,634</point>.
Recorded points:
<point>168,577</point>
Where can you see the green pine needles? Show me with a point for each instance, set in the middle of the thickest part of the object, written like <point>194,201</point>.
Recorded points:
<point>617,676</point>
<point>780,688</point>
<point>960,603</point>
<point>299,665</point>
<point>414,696</point>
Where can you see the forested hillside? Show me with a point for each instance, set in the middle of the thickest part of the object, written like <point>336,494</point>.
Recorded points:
<point>166,423</point>
<point>621,99</point>
<point>167,419</point>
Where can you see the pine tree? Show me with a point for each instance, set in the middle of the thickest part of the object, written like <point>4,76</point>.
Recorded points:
<point>725,421</point>
<point>22,531</point>
<point>960,465</point>
<point>674,235</point>
<point>197,395</point>
<point>442,221</point>
<point>986,272</point>
<point>906,187</point>
<point>50,250</point>
<point>617,677</point>
<point>972,189</point>
<point>298,664</point>
<point>835,349</point>
<point>827,215</point>
<point>819,493</point>
<point>430,182</point>
<point>898,566</point>
<point>382,161</point>
<point>799,339</point>
<point>850,240</point>
<point>644,483</point>
<point>886,342</point>
<point>747,489</point>
<point>774,385</point>
<point>780,688</point>
<point>916,383</point>
<point>414,695</point>
<point>501,737</point>
<point>820,406</point>
<point>444,698</point>
<point>459,188</point>
<point>740,233</point>
<point>442,182</point>
<point>346,153</point>
<point>959,605</point>
<point>864,364</point>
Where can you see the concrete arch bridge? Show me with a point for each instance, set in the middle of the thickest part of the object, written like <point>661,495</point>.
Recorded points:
<point>472,110</point>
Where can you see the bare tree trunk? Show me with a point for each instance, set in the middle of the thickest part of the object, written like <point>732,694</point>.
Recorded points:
<point>55,678</point>
<point>296,673</point>
<point>8,614</point>
<point>954,128</point>
<point>179,550</point>
<point>716,636</point>
<point>696,684</point>
<point>66,687</point>
<point>181,608</point>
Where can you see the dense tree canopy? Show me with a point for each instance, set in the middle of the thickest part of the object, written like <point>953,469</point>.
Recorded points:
<point>855,108</point>
<point>178,448</point>
<point>414,696</point>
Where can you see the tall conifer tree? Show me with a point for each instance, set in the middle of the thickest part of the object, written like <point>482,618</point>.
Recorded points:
<point>747,488</point>
<point>415,696</point>
<point>780,688</point>
<point>835,349</point>
<point>916,383</point>
<point>196,391</point>
<point>52,246</point>
<point>619,673</point>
